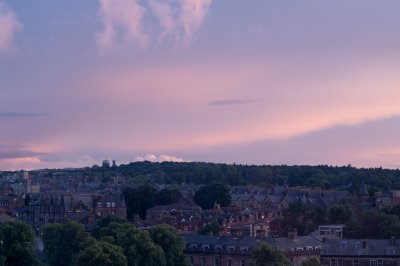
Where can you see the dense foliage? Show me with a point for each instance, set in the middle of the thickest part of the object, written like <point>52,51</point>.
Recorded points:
<point>266,255</point>
<point>114,242</point>
<point>211,194</point>
<point>311,262</point>
<point>203,173</point>
<point>141,198</point>
<point>17,244</point>
<point>212,228</point>
<point>172,244</point>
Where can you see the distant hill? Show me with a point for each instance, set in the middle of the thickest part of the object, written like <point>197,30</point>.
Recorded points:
<point>342,177</point>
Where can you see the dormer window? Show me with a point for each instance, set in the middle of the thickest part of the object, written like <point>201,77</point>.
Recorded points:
<point>218,248</point>
<point>231,248</point>
<point>205,247</point>
<point>99,205</point>
<point>244,249</point>
<point>193,246</point>
<point>113,204</point>
<point>108,204</point>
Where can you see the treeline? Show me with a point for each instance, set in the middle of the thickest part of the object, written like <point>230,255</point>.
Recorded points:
<point>344,177</point>
<point>114,243</point>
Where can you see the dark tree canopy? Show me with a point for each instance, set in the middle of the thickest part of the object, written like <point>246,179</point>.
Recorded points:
<point>266,255</point>
<point>138,247</point>
<point>96,253</point>
<point>62,242</point>
<point>172,244</point>
<point>213,193</point>
<point>212,228</point>
<point>311,262</point>
<point>340,214</point>
<point>17,244</point>
<point>168,196</point>
<point>138,200</point>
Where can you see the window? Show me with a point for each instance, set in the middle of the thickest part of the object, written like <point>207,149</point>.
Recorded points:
<point>108,204</point>
<point>229,262</point>
<point>356,263</point>
<point>242,263</point>
<point>218,248</point>
<point>113,204</point>
<point>244,249</point>
<point>193,246</point>
<point>203,261</point>
<point>380,262</point>
<point>99,205</point>
<point>191,260</point>
<point>216,261</point>
<point>373,263</point>
<point>231,249</point>
<point>205,247</point>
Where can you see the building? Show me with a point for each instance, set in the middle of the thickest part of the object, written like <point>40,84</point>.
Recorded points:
<point>204,250</point>
<point>361,252</point>
<point>331,231</point>
<point>106,163</point>
<point>298,248</point>
<point>83,208</point>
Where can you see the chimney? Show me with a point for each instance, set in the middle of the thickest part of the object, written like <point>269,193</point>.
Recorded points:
<point>293,234</point>
<point>364,244</point>
<point>393,241</point>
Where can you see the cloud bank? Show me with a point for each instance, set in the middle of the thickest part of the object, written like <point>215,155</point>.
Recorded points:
<point>9,26</point>
<point>129,23</point>
<point>159,158</point>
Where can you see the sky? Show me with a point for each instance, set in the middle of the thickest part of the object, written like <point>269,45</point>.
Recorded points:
<point>232,81</point>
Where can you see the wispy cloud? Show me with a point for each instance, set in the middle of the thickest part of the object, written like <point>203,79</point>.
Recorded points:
<point>229,102</point>
<point>129,22</point>
<point>192,16</point>
<point>14,151</point>
<point>122,22</point>
<point>9,26</point>
<point>21,114</point>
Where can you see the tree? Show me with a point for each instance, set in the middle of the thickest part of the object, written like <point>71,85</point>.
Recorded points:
<point>266,255</point>
<point>62,242</point>
<point>95,253</point>
<point>168,196</point>
<point>172,244</point>
<point>299,216</point>
<point>17,244</point>
<point>340,214</point>
<point>311,262</point>
<point>211,228</point>
<point>139,199</point>
<point>137,245</point>
<point>213,193</point>
<point>110,219</point>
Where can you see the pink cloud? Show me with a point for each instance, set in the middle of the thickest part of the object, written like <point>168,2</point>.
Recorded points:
<point>127,22</point>
<point>159,158</point>
<point>9,26</point>
<point>122,24</point>
<point>192,16</point>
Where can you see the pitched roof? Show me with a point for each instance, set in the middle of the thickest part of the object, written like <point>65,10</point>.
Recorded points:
<point>361,247</point>
<point>300,241</point>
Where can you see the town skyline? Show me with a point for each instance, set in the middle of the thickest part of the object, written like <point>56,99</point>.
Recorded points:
<point>260,82</point>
